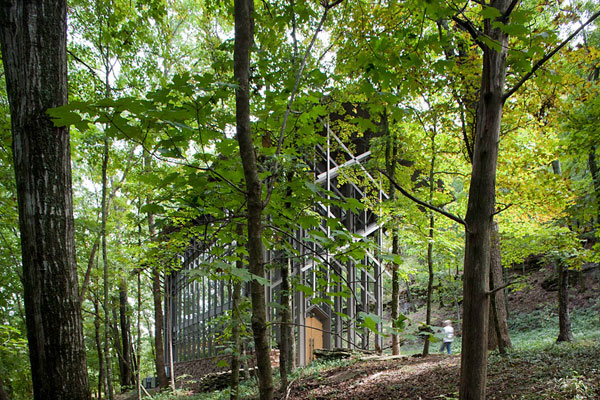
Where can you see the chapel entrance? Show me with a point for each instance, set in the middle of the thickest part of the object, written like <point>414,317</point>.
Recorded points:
<point>314,337</point>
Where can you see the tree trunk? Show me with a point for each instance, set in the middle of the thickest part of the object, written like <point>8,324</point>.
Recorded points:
<point>3,394</point>
<point>498,330</point>
<point>169,334</point>
<point>127,378</point>
<point>159,344</point>
<point>430,241</point>
<point>391,156</point>
<point>116,338</point>
<point>593,166</point>
<point>139,334</point>
<point>33,39</point>
<point>244,37</point>
<point>235,326</point>
<point>286,326</point>
<point>159,359</point>
<point>102,384</point>
<point>429,280</point>
<point>409,298</point>
<point>235,337</point>
<point>110,391</point>
<point>564,320</point>
<point>480,211</point>
<point>395,292</point>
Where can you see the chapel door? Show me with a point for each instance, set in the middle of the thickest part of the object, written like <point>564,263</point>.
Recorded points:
<point>314,337</point>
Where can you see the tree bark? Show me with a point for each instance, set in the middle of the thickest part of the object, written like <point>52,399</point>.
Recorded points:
<point>429,280</point>
<point>564,320</point>
<point>391,156</point>
<point>395,292</point>
<point>139,333</point>
<point>3,394</point>
<point>169,331</point>
<point>593,166</point>
<point>127,377</point>
<point>430,241</point>
<point>102,384</point>
<point>235,338</point>
<point>159,344</point>
<point>159,359</point>
<point>33,40</point>
<point>235,326</point>
<point>110,391</point>
<point>499,335</point>
<point>244,37</point>
<point>286,326</point>
<point>480,211</point>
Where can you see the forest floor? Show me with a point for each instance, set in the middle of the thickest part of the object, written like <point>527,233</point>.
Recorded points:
<point>566,371</point>
<point>536,368</point>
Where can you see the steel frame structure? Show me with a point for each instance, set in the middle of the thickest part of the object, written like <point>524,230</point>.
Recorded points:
<point>198,305</point>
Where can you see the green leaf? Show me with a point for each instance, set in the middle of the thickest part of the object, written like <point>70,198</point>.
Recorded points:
<point>307,290</point>
<point>492,44</point>
<point>490,12</point>
<point>319,300</point>
<point>64,116</point>
<point>308,221</point>
<point>152,208</point>
<point>241,273</point>
<point>369,321</point>
<point>260,279</point>
<point>400,322</point>
<point>341,314</point>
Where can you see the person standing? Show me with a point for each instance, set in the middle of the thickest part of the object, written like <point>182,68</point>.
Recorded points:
<point>448,336</point>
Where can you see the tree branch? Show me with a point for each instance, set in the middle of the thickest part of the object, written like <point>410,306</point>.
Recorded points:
<point>509,11</point>
<point>499,288</point>
<point>421,202</point>
<point>541,62</point>
<point>498,211</point>
<point>468,26</point>
<point>79,60</point>
<point>293,97</point>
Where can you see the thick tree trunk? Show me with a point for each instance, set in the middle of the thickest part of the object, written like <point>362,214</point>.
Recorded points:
<point>159,344</point>
<point>169,331</point>
<point>244,37</point>
<point>564,320</point>
<point>33,39</point>
<point>125,364</point>
<point>498,330</point>
<point>159,359</point>
<point>391,156</point>
<point>116,338</point>
<point>480,211</point>
<point>110,391</point>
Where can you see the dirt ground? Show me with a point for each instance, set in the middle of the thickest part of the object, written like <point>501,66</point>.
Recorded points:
<point>565,376</point>
<point>568,375</point>
<point>405,378</point>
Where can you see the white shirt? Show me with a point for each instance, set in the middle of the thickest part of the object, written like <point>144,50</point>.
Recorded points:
<point>448,334</point>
